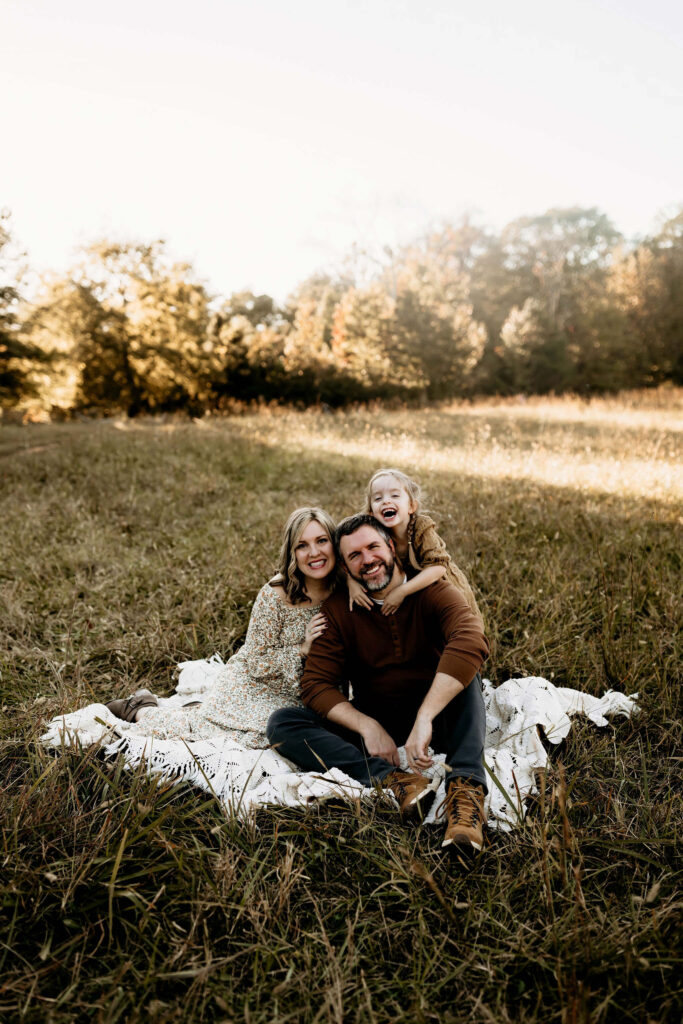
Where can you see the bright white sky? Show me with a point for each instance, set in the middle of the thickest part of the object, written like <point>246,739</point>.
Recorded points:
<point>261,138</point>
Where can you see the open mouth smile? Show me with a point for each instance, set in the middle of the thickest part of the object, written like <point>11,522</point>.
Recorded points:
<point>389,513</point>
<point>373,570</point>
<point>317,563</point>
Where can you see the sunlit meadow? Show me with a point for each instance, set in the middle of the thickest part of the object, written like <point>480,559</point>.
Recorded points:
<point>127,546</point>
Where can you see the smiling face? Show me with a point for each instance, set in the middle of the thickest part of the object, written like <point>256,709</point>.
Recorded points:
<point>390,503</point>
<point>314,552</point>
<point>369,558</point>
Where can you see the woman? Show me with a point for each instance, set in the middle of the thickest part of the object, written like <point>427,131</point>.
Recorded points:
<point>264,674</point>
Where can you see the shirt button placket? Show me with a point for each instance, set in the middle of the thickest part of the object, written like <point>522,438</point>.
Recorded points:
<point>395,636</point>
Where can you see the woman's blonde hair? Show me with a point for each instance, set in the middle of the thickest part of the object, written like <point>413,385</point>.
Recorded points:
<point>411,487</point>
<point>288,574</point>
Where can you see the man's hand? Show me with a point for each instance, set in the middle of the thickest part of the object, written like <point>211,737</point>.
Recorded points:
<point>417,744</point>
<point>393,600</point>
<point>378,742</point>
<point>358,595</point>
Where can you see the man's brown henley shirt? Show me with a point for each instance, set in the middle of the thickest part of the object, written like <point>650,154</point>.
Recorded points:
<point>391,660</point>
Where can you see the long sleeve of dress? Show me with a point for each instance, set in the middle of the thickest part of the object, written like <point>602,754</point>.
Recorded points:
<point>258,679</point>
<point>271,650</point>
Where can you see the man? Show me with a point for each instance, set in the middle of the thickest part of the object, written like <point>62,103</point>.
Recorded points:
<point>415,679</point>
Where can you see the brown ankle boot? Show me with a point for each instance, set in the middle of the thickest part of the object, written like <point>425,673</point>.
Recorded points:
<point>414,792</point>
<point>127,708</point>
<point>465,812</point>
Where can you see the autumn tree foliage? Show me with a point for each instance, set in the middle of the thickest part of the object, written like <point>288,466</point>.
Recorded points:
<point>126,330</point>
<point>554,302</point>
<point>646,287</point>
<point>18,357</point>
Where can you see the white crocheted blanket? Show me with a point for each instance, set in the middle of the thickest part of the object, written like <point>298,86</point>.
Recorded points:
<point>244,779</point>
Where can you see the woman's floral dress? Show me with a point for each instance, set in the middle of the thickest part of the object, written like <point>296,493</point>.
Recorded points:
<point>261,677</point>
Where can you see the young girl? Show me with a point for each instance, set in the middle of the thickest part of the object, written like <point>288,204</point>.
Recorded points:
<point>394,500</point>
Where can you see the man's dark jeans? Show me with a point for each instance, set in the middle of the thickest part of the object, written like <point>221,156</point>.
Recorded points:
<point>316,744</point>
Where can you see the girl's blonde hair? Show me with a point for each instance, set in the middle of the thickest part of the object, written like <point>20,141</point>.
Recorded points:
<point>455,574</point>
<point>411,487</point>
<point>288,574</point>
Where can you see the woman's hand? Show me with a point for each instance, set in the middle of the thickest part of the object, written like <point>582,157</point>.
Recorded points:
<point>358,595</point>
<point>393,601</point>
<point>317,625</point>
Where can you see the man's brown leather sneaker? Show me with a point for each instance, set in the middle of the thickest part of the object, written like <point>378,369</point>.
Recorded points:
<point>465,812</point>
<point>413,792</point>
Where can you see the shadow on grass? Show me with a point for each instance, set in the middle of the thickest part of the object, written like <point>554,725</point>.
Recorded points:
<point>136,550</point>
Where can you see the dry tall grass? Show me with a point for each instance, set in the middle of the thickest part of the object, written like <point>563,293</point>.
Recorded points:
<point>128,547</point>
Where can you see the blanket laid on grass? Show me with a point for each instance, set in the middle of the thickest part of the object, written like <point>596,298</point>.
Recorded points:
<point>245,779</point>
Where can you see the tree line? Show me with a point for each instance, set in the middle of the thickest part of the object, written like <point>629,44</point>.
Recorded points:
<point>553,303</point>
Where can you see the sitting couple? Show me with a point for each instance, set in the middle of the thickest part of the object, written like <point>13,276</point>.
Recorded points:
<point>413,664</point>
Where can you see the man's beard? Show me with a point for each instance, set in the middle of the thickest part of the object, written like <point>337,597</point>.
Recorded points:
<point>380,581</point>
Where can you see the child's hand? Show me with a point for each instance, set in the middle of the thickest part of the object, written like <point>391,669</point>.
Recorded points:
<point>393,601</point>
<point>358,595</point>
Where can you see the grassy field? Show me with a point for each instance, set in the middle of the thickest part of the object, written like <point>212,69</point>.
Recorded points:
<point>126,547</point>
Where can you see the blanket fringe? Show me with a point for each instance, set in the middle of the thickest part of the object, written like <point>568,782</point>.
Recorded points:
<point>243,779</point>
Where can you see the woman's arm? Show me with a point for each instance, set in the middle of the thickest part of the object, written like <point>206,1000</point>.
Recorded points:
<point>267,654</point>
